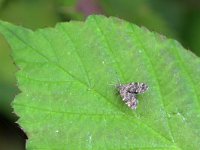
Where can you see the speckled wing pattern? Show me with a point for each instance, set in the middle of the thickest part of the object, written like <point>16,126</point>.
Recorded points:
<point>129,91</point>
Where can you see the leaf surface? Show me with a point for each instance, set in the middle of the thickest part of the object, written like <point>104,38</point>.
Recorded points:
<point>67,79</point>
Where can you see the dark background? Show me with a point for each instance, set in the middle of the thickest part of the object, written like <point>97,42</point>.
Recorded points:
<point>178,19</point>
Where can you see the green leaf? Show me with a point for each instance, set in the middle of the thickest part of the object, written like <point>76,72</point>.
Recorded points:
<point>69,101</point>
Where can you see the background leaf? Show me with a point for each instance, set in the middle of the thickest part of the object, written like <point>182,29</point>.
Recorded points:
<point>31,14</point>
<point>8,88</point>
<point>140,12</point>
<point>68,99</point>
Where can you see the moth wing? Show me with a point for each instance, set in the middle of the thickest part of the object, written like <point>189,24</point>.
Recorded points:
<point>138,88</point>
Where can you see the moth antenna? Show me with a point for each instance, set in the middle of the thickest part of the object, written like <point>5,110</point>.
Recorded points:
<point>111,84</point>
<point>114,84</point>
<point>118,83</point>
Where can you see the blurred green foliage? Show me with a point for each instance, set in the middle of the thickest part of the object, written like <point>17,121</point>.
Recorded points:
<point>179,19</point>
<point>32,14</point>
<point>139,12</point>
<point>8,86</point>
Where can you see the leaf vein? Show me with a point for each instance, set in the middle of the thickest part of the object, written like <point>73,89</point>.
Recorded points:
<point>156,80</point>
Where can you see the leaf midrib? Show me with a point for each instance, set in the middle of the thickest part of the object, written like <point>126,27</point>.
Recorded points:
<point>98,115</point>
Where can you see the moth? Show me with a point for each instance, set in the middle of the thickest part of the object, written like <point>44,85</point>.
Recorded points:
<point>129,91</point>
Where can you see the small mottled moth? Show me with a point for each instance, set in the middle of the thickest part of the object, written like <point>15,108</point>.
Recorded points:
<point>129,91</point>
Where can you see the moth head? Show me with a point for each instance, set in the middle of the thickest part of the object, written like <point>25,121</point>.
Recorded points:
<point>118,87</point>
